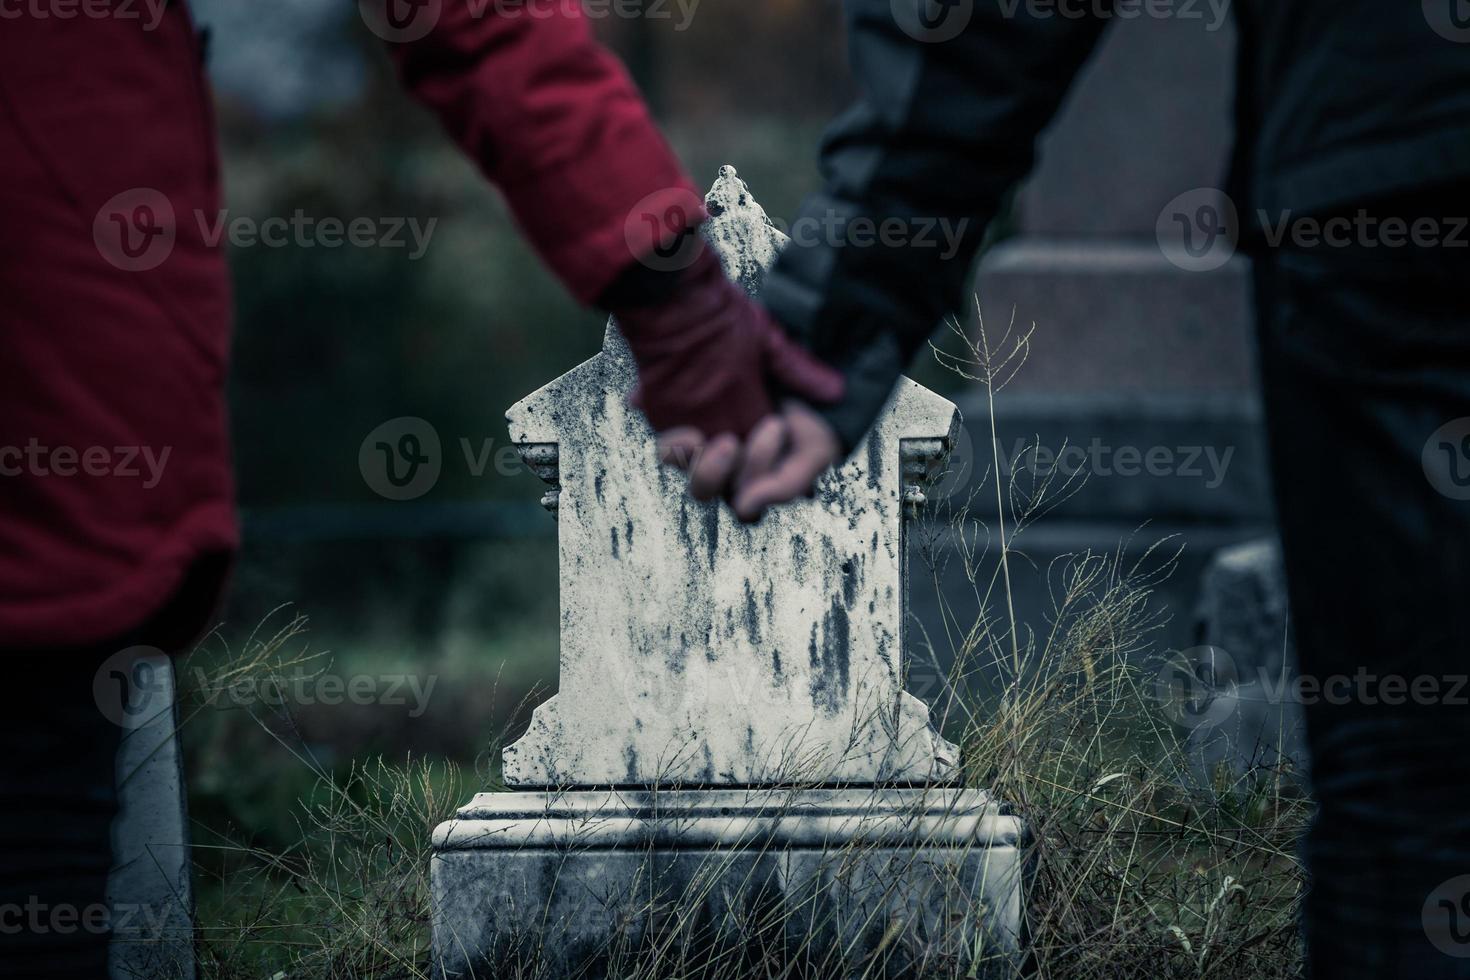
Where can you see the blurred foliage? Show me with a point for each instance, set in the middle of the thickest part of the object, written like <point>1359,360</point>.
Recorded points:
<point>331,342</point>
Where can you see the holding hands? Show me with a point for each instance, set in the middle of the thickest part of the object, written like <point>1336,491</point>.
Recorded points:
<point>730,394</point>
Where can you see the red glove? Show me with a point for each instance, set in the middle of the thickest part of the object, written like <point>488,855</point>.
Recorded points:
<point>711,358</point>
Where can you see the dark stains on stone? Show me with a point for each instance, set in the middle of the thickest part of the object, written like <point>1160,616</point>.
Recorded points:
<point>831,659</point>
<point>707,774</point>
<point>630,756</point>
<point>752,615</point>
<point>597,482</point>
<point>829,492</point>
<point>849,582</point>
<point>596,409</point>
<point>614,532</point>
<point>800,556</point>
<point>776,666</point>
<point>712,529</point>
<point>875,463</point>
<point>674,653</point>
<point>628,533</point>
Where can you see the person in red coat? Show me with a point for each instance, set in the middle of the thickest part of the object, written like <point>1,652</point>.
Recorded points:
<point>117,510</point>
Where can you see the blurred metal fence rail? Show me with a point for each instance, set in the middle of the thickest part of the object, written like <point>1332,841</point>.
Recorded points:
<point>487,519</point>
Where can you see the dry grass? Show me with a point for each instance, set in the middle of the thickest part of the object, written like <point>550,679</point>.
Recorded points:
<point>1135,871</point>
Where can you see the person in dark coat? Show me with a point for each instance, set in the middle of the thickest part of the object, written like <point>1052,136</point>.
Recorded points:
<point>1349,112</point>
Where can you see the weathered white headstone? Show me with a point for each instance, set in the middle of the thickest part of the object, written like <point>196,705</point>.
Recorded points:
<point>730,697</point>
<point>695,648</point>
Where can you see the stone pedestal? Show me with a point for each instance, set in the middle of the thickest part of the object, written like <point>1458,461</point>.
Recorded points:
<point>901,881</point>
<point>731,766</point>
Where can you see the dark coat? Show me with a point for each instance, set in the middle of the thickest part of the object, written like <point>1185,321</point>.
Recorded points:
<point>1339,101</point>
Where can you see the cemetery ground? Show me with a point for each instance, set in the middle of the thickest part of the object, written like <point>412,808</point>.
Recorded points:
<point>312,821</point>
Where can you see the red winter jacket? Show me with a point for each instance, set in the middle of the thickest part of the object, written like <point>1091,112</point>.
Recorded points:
<point>115,484</point>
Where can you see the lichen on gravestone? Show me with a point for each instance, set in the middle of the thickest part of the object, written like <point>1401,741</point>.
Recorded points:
<point>699,650</point>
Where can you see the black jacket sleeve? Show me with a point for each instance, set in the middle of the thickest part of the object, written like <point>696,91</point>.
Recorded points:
<point>954,95</point>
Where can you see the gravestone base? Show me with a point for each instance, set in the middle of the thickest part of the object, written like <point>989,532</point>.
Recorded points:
<point>875,882</point>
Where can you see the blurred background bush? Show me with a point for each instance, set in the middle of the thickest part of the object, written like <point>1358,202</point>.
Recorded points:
<point>460,584</point>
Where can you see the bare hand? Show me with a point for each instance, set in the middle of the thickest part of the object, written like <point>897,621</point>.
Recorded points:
<point>779,461</point>
<point>783,460</point>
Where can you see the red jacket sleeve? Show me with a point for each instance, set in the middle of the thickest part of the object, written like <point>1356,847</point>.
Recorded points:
<point>554,121</point>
